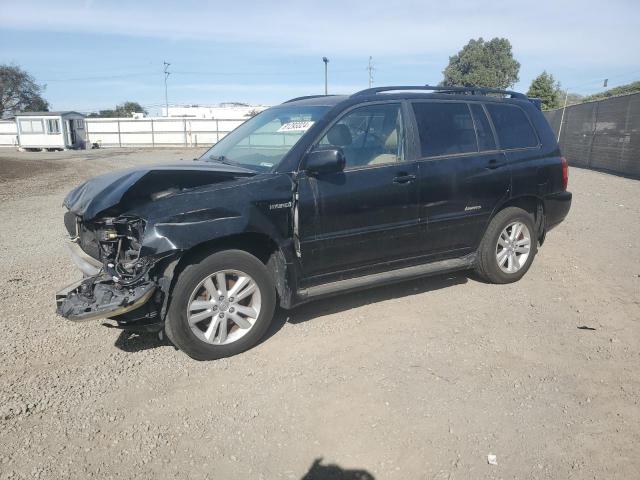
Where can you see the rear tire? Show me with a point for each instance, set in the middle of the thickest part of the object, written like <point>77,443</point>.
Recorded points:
<point>508,247</point>
<point>205,320</point>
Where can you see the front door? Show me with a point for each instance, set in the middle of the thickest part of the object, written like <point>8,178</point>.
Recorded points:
<point>367,214</point>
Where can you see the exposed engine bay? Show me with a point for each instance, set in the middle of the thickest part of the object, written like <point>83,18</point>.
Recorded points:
<point>117,280</point>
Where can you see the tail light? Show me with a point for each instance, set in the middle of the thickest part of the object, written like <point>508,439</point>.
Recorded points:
<point>565,173</point>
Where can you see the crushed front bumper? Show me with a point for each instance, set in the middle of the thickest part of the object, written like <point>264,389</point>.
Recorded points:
<point>89,300</point>
<point>97,295</point>
<point>83,300</point>
<point>88,265</point>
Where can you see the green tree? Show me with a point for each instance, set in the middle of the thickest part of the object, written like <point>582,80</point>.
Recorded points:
<point>546,89</point>
<point>124,110</point>
<point>483,64</point>
<point>19,92</point>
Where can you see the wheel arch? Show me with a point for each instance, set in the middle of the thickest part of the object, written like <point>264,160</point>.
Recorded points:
<point>260,245</point>
<point>529,203</point>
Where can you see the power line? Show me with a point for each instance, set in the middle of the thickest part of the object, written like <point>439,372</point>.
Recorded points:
<point>101,77</point>
<point>195,72</point>
<point>599,80</point>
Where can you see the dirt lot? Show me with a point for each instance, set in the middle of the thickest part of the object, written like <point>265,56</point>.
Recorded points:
<point>420,380</point>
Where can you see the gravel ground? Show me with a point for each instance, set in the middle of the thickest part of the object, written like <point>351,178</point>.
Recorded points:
<point>420,380</point>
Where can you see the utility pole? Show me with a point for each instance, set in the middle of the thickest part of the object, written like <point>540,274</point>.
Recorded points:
<point>566,97</point>
<point>370,68</point>
<point>166,97</point>
<point>326,77</point>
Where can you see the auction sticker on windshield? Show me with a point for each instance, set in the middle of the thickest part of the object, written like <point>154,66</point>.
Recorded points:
<point>296,126</point>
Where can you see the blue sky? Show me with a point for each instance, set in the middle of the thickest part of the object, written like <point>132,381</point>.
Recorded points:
<point>93,54</point>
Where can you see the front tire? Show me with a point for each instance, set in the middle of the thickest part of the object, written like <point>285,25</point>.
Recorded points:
<point>221,305</point>
<point>508,247</point>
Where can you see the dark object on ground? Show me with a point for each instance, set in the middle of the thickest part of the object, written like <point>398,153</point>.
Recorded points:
<point>334,472</point>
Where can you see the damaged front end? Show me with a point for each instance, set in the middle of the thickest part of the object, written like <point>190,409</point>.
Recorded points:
<point>121,226</point>
<point>118,283</point>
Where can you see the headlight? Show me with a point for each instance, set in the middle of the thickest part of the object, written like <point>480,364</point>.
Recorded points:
<point>119,238</point>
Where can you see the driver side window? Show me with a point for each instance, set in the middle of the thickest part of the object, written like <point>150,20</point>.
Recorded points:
<point>371,135</point>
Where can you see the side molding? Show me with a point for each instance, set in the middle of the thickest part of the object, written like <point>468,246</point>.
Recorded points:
<point>382,278</point>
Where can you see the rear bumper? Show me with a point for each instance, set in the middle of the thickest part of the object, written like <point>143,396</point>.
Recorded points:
<point>556,208</point>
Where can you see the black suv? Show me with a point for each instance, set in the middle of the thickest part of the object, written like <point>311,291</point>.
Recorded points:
<point>316,197</point>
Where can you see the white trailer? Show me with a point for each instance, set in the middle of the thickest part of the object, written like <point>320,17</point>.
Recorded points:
<point>51,130</point>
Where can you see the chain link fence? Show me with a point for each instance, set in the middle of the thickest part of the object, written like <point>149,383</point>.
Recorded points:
<point>602,135</point>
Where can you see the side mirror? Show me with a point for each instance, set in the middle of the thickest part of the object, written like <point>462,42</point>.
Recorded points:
<point>326,160</point>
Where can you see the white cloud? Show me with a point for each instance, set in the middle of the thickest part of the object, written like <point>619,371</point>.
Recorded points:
<point>569,31</point>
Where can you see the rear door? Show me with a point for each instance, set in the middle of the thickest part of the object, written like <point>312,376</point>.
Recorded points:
<point>367,214</point>
<point>532,171</point>
<point>463,175</point>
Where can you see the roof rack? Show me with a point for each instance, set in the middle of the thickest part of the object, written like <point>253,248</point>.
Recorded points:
<point>307,97</point>
<point>469,90</point>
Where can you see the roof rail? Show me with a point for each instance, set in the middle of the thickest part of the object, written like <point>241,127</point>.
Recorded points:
<point>307,97</point>
<point>470,90</point>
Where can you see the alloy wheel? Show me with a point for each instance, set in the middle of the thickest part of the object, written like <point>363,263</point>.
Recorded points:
<point>513,247</point>
<point>224,307</point>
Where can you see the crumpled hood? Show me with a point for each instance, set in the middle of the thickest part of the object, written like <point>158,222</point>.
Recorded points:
<point>139,184</point>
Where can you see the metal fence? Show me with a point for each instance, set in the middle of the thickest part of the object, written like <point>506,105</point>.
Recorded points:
<point>142,132</point>
<point>602,135</point>
<point>157,132</point>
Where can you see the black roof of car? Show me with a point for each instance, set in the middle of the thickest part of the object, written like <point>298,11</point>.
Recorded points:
<point>404,92</point>
<point>317,100</point>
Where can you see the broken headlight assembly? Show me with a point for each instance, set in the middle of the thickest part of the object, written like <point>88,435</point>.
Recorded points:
<point>119,243</point>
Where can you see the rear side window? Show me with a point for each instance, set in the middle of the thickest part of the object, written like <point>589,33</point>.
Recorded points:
<point>445,128</point>
<point>512,126</point>
<point>483,128</point>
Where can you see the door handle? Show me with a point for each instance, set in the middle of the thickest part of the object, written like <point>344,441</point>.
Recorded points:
<point>403,178</point>
<point>493,164</point>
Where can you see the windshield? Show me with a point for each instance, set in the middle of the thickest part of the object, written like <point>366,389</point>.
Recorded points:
<point>262,142</point>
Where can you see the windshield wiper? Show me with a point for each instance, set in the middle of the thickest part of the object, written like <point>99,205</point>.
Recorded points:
<point>222,159</point>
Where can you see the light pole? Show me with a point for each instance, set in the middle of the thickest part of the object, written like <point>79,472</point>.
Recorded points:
<point>166,97</point>
<point>326,78</point>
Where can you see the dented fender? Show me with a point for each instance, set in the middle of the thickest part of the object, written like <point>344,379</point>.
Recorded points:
<point>139,224</point>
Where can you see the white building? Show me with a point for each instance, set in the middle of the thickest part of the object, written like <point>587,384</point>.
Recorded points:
<point>55,130</point>
<point>223,111</point>
<point>8,133</point>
